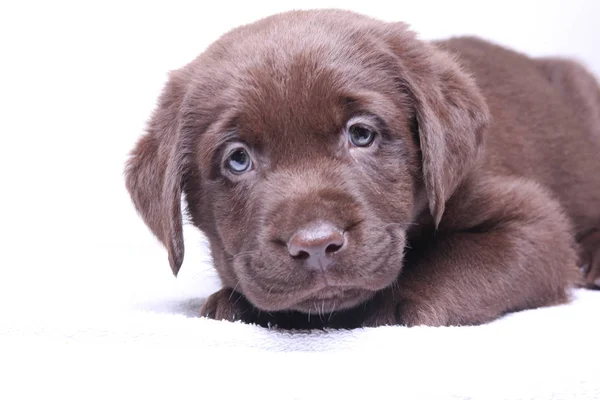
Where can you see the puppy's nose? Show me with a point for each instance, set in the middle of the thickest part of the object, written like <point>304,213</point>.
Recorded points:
<point>315,244</point>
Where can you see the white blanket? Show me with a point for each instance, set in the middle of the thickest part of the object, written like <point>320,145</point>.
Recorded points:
<point>130,330</point>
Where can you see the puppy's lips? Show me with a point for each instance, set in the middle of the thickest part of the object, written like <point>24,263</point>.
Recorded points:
<point>322,291</point>
<point>331,299</point>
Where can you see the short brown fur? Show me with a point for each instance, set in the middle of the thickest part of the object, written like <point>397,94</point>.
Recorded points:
<point>478,196</point>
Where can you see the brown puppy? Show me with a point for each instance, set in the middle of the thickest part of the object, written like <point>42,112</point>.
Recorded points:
<point>343,168</point>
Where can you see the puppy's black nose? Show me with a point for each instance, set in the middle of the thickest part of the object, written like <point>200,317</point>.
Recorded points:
<point>316,243</point>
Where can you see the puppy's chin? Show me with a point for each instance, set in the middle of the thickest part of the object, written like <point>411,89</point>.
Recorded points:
<point>332,299</point>
<point>326,300</point>
<point>320,297</point>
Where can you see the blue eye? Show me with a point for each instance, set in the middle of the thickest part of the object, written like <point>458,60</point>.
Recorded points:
<point>360,135</point>
<point>239,161</point>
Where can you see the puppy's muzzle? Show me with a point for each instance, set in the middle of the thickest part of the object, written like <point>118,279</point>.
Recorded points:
<point>316,243</point>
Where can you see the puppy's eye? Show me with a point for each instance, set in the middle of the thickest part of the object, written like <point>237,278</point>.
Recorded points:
<point>360,135</point>
<point>238,161</point>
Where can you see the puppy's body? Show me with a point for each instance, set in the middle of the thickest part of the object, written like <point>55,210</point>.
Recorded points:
<point>545,123</point>
<point>341,167</point>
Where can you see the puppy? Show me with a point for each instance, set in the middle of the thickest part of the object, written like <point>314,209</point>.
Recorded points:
<point>342,168</point>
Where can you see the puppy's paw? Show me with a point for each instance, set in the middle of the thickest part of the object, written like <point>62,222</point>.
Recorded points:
<point>388,309</point>
<point>411,313</point>
<point>383,315</point>
<point>227,305</point>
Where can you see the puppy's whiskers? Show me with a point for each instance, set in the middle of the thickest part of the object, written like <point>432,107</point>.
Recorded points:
<point>331,312</point>
<point>234,257</point>
<point>235,287</point>
<point>322,310</point>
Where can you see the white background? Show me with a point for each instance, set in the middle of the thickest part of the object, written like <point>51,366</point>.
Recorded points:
<point>77,83</point>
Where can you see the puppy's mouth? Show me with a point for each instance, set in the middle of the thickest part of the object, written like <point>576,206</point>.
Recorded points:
<point>331,299</point>
<point>345,284</point>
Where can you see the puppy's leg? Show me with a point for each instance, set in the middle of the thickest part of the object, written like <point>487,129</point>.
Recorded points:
<point>589,259</point>
<point>227,305</point>
<point>504,245</point>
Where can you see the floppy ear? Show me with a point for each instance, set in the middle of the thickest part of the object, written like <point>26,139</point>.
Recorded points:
<point>153,174</point>
<point>451,114</point>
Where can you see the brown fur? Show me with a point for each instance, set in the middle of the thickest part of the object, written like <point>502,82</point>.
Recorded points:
<point>483,174</point>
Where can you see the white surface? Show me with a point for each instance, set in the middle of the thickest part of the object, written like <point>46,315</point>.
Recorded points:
<point>89,307</point>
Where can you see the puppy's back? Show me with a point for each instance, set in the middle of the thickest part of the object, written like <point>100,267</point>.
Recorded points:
<point>545,122</point>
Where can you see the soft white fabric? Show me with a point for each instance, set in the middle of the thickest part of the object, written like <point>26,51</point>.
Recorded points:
<point>129,329</point>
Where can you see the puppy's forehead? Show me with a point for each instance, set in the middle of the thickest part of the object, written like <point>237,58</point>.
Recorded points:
<point>287,83</point>
<point>300,99</point>
<point>291,101</point>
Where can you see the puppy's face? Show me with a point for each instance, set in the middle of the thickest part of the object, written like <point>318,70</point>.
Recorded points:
<point>310,180</point>
<point>295,142</point>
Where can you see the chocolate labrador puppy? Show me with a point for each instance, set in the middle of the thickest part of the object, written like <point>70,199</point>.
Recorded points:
<point>342,168</point>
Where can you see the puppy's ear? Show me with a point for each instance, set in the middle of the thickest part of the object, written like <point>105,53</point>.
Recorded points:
<point>153,174</point>
<point>451,114</point>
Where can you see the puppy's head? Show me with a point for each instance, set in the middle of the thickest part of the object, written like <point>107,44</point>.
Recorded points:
<point>304,144</point>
